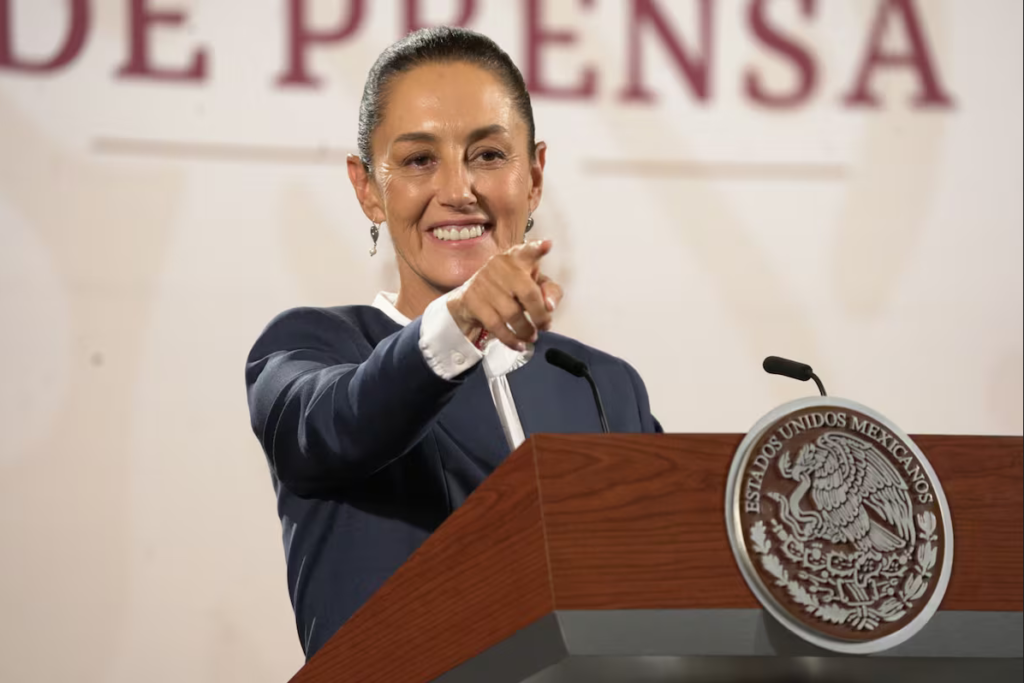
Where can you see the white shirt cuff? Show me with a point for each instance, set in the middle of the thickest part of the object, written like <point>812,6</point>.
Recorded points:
<point>444,347</point>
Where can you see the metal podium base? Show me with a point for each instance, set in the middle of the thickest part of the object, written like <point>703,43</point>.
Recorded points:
<point>662,646</point>
<point>778,670</point>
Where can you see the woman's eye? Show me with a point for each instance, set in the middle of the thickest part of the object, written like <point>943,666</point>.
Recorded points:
<point>490,155</point>
<point>418,161</point>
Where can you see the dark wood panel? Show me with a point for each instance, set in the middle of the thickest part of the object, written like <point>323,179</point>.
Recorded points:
<point>639,523</point>
<point>477,581</point>
<point>983,478</point>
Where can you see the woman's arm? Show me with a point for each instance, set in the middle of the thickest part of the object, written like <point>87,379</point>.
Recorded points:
<point>327,418</point>
<point>330,411</point>
<point>648,423</point>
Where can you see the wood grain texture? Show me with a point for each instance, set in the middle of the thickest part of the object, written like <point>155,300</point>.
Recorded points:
<point>983,478</point>
<point>639,523</point>
<point>477,581</point>
<point>630,522</point>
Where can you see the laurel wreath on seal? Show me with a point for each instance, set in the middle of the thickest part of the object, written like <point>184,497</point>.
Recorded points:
<point>864,617</point>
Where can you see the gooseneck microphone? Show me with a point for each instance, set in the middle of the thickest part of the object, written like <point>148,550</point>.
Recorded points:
<point>774,365</point>
<point>574,366</point>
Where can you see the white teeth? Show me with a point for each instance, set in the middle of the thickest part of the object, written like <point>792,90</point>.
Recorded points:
<point>456,234</point>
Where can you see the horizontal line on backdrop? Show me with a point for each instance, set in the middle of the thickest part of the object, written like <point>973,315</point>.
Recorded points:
<point>271,154</point>
<point>725,170</point>
<point>210,151</point>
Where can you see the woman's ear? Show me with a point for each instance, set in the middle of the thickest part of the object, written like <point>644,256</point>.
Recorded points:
<point>537,175</point>
<point>366,189</point>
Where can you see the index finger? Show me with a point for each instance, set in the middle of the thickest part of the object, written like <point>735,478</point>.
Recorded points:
<point>530,253</point>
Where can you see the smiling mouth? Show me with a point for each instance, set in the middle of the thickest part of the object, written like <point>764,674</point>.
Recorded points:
<point>458,233</point>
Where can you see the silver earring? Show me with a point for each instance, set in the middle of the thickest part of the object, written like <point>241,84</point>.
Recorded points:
<point>374,234</point>
<point>529,224</point>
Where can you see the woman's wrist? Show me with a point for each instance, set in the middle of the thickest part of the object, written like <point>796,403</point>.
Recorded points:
<point>469,327</point>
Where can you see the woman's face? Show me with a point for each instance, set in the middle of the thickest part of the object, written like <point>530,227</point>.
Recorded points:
<point>453,176</point>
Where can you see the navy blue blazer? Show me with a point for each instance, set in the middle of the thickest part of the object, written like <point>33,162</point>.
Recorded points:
<point>370,451</point>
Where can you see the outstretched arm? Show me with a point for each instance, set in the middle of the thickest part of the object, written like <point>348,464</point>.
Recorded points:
<point>328,409</point>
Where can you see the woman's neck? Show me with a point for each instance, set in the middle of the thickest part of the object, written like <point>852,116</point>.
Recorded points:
<point>412,300</point>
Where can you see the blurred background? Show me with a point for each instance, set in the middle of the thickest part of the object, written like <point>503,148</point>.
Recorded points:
<point>834,182</point>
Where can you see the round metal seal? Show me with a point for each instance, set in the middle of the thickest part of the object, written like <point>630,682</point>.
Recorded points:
<point>839,525</point>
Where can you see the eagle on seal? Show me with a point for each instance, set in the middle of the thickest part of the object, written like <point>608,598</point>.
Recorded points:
<point>848,477</point>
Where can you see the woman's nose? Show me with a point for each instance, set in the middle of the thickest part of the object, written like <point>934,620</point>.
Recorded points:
<point>455,186</point>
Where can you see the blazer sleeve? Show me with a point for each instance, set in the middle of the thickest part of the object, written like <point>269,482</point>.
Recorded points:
<point>648,423</point>
<point>327,415</point>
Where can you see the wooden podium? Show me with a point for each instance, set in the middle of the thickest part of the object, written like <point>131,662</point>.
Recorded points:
<point>605,558</point>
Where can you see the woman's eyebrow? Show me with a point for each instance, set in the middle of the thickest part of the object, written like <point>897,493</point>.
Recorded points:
<point>486,132</point>
<point>474,136</point>
<point>418,136</point>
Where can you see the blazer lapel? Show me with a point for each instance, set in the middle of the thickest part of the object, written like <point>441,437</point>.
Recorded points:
<point>551,401</point>
<point>471,421</point>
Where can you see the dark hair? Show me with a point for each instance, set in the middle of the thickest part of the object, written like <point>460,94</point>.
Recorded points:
<point>431,46</point>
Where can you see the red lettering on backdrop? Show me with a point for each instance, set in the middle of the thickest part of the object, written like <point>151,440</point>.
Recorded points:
<point>931,93</point>
<point>695,68</point>
<point>412,15</point>
<point>301,37</point>
<point>537,36</point>
<point>141,18</point>
<point>802,59</point>
<point>74,40</point>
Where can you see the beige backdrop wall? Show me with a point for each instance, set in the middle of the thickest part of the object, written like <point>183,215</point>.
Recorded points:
<point>149,228</point>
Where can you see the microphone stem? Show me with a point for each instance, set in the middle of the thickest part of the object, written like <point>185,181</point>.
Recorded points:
<point>821,387</point>
<point>600,404</point>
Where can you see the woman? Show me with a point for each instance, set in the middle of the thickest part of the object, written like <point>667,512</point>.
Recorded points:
<point>378,421</point>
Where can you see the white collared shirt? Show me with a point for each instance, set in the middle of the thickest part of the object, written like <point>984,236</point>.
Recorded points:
<point>449,354</point>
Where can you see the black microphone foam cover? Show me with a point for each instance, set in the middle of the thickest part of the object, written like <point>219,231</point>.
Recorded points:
<point>787,368</point>
<point>561,359</point>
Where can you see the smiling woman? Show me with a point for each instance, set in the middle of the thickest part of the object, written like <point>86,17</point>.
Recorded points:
<point>378,421</point>
<point>453,157</point>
